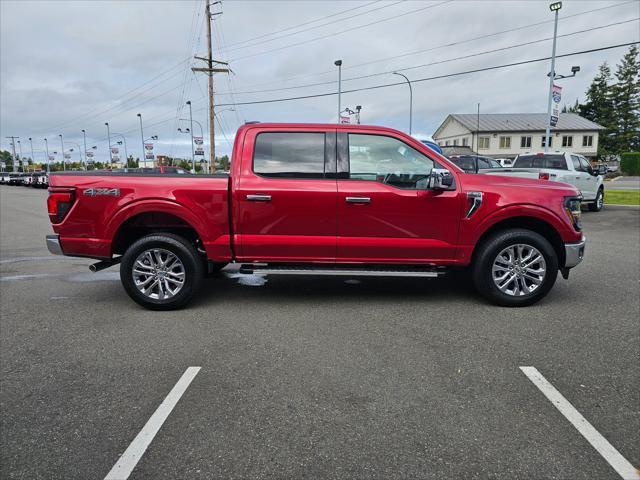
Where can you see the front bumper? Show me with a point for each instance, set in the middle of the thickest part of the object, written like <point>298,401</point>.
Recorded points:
<point>53,244</point>
<point>574,253</point>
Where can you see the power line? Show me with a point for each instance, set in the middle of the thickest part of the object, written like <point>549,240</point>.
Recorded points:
<point>232,48</point>
<point>484,52</point>
<point>234,45</point>
<point>341,32</point>
<point>477,70</point>
<point>445,45</point>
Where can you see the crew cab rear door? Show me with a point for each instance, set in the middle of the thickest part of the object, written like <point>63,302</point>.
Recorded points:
<point>286,196</point>
<point>385,212</point>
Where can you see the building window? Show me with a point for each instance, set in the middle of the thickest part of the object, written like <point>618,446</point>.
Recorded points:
<point>446,144</point>
<point>505,142</point>
<point>465,142</point>
<point>455,142</point>
<point>587,140</point>
<point>525,142</point>
<point>550,141</point>
<point>483,143</point>
<point>567,141</point>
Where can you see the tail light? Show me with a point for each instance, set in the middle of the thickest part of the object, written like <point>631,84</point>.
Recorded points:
<point>572,207</point>
<point>543,176</point>
<point>59,203</point>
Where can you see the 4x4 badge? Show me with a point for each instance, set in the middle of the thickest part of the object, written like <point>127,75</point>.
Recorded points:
<point>94,192</point>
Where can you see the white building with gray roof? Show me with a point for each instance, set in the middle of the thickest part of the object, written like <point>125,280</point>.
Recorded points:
<point>505,135</point>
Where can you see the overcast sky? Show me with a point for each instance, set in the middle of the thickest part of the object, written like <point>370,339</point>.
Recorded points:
<point>72,65</point>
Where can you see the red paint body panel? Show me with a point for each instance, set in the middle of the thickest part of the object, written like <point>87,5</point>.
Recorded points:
<point>308,220</point>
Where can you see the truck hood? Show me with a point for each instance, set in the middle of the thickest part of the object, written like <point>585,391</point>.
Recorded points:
<point>472,181</point>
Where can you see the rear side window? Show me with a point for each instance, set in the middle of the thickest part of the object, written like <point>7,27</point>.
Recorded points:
<point>289,154</point>
<point>556,162</point>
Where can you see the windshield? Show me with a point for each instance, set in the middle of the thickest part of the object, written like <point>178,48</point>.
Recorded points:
<point>553,161</point>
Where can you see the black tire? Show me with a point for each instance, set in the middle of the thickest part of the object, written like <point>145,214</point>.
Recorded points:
<point>597,205</point>
<point>178,246</point>
<point>488,252</point>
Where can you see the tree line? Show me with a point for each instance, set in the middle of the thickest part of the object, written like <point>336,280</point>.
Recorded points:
<point>613,101</point>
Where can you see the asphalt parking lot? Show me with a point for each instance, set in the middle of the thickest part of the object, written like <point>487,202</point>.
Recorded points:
<point>304,377</point>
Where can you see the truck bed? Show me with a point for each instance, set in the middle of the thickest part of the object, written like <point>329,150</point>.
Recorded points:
<point>105,202</point>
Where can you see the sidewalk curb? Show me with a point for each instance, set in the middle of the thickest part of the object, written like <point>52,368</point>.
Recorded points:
<point>621,207</point>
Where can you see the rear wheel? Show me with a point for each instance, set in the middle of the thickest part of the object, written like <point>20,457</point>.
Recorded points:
<point>161,271</point>
<point>599,202</point>
<point>515,268</point>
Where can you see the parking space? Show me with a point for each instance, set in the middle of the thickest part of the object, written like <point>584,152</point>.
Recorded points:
<point>314,377</point>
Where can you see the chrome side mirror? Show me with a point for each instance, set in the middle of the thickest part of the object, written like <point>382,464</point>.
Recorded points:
<point>441,179</point>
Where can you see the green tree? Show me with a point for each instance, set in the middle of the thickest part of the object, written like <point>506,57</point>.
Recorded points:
<point>599,108</point>
<point>6,158</point>
<point>626,101</point>
<point>575,108</point>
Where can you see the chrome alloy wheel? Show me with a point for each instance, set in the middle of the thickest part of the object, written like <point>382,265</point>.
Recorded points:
<point>158,274</point>
<point>600,200</point>
<point>519,270</point>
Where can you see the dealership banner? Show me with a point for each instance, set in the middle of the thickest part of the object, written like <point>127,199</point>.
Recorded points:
<point>556,95</point>
<point>115,158</point>
<point>344,119</point>
<point>199,145</point>
<point>148,151</point>
<point>114,150</point>
<point>89,154</point>
<point>52,158</point>
<point>67,156</point>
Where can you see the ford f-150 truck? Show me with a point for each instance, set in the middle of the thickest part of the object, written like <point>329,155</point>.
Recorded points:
<point>565,167</point>
<point>323,200</point>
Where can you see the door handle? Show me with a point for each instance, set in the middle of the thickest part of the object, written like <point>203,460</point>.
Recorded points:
<point>578,178</point>
<point>259,198</point>
<point>358,200</point>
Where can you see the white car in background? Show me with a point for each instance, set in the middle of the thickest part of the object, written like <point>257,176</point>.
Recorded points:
<point>563,167</point>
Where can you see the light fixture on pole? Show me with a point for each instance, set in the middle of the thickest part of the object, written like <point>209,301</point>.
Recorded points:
<point>21,159</point>
<point>46,146</point>
<point>62,151</point>
<point>193,155</point>
<point>32,156</point>
<point>109,143</point>
<point>338,63</point>
<point>554,7</point>
<point>410,100</point>
<point>84,138</point>
<point>358,108</point>
<point>143,158</point>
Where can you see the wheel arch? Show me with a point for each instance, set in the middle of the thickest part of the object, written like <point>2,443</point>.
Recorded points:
<point>535,224</point>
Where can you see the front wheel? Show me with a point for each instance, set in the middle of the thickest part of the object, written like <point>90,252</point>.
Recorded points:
<point>161,271</point>
<point>515,268</point>
<point>599,202</point>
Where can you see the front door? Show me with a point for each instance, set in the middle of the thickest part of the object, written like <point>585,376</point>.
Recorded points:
<point>583,179</point>
<point>286,196</point>
<point>385,212</point>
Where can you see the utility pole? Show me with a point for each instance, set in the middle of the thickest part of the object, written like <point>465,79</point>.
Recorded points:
<point>13,149</point>
<point>210,70</point>
<point>46,146</point>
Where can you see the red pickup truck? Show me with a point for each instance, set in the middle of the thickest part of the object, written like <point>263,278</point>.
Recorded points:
<point>322,200</point>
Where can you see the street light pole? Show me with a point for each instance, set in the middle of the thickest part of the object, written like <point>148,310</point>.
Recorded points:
<point>554,7</point>
<point>124,140</point>
<point>410,100</point>
<point>21,159</point>
<point>338,63</point>
<point>143,158</point>
<point>193,156</point>
<point>62,151</point>
<point>109,143</point>
<point>32,156</point>
<point>84,137</point>
<point>46,146</point>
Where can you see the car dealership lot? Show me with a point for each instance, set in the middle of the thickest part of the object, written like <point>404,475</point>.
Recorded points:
<point>317,377</point>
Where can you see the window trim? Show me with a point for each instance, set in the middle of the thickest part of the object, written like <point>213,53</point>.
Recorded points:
<point>567,141</point>
<point>488,139</point>
<point>329,163</point>
<point>587,140</point>
<point>505,137</point>
<point>527,140</point>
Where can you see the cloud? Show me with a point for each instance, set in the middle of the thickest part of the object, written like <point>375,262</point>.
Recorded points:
<point>72,65</point>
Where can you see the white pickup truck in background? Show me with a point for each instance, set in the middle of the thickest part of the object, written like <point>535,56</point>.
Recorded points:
<point>559,167</point>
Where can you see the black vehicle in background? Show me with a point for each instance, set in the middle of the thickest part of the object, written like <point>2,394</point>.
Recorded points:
<point>474,163</point>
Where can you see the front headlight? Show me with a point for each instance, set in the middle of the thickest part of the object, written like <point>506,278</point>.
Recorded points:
<point>572,207</point>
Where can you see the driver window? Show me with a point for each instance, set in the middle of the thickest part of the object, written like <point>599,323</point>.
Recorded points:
<point>585,165</point>
<point>387,160</point>
<point>576,163</point>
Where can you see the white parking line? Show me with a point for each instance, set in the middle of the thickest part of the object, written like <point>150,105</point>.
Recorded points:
<point>604,448</point>
<point>132,455</point>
